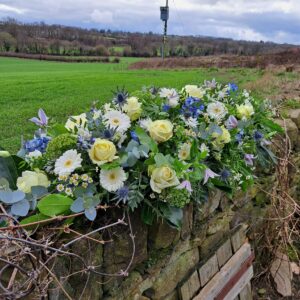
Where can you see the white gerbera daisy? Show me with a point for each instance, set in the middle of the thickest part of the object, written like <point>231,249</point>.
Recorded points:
<point>67,163</point>
<point>145,123</point>
<point>117,120</point>
<point>216,110</point>
<point>112,180</point>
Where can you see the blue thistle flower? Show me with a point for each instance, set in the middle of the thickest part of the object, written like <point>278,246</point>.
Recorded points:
<point>122,194</point>
<point>166,107</point>
<point>134,136</point>
<point>120,97</point>
<point>232,87</point>
<point>258,136</point>
<point>225,174</point>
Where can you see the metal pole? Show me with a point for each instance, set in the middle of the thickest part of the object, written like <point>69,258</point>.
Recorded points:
<point>165,33</point>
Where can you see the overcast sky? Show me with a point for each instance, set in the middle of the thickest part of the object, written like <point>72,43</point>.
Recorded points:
<point>272,20</point>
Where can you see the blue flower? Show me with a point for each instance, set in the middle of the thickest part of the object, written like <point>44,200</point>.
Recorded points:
<point>134,136</point>
<point>258,136</point>
<point>232,87</point>
<point>166,107</point>
<point>225,174</point>
<point>120,97</point>
<point>122,194</point>
<point>239,136</point>
<point>39,144</point>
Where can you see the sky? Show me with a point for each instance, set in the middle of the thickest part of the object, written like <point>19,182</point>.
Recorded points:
<point>267,20</point>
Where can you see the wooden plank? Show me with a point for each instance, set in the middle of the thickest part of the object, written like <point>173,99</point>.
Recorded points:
<point>246,293</point>
<point>238,239</point>
<point>244,280</point>
<point>191,287</point>
<point>213,288</point>
<point>208,270</point>
<point>224,253</point>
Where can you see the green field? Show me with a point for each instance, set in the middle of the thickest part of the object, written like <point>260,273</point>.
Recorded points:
<point>65,89</point>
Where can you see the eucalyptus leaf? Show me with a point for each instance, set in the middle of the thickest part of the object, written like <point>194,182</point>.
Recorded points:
<point>77,205</point>
<point>20,208</point>
<point>10,197</point>
<point>90,213</point>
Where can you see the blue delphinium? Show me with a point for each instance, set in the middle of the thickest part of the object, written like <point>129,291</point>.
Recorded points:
<point>239,136</point>
<point>38,143</point>
<point>232,87</point>
<point>166,107</point>
<point>192,108</point>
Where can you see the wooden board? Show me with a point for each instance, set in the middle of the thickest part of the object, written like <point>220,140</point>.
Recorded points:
<point>219,281</point>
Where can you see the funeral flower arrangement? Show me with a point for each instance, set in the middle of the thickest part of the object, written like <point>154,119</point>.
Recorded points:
<point>157,149</point>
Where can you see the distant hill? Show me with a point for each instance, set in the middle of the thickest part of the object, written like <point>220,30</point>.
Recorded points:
<point>40,38</point>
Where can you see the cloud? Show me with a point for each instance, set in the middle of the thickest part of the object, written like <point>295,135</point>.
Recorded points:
<point>270,20</point>
<point>102,17</point>
<point>10,9</point>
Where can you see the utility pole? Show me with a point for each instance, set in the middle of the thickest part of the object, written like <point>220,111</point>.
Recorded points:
<point>164,16</point>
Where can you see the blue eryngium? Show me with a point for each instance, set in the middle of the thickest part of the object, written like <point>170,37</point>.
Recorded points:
<point>123,194</point>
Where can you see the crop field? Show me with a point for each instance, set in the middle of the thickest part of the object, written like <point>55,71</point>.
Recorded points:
<point>64,89</point>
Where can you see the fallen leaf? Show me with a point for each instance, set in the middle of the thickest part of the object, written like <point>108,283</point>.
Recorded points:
<point>282,274</point>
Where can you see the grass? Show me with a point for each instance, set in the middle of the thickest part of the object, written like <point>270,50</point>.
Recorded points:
<point>65,89</point>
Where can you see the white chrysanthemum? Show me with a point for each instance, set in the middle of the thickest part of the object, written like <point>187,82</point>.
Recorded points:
<point>145,123</point>
<point>216,110</point>
<point>112,180</point>
<point>171,95</point>
<point>184,151</point>
<point>190,122</point>
<point>117,120</point>
<point>67,163</point>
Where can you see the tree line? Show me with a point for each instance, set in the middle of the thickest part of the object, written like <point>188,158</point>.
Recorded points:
<point>41,38</point>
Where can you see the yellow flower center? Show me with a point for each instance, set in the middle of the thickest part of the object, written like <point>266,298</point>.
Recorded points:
<point>116,121</point>
<point>68,163</point>
<point>112,176</point>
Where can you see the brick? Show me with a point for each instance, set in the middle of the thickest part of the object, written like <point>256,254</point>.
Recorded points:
<point>224,253</point>
<point>191,287</point>
<point>208,270</point>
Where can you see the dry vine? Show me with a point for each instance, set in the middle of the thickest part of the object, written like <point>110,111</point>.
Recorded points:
<point>28,261</point>
<point>281,225</point>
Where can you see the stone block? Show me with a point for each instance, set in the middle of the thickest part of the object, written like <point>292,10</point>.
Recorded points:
<point>161,235</point>
<point>172,274</point>
<point>187,223</point>
<point>294,114</point>
<point>208,270</point>
<point>224,253</point>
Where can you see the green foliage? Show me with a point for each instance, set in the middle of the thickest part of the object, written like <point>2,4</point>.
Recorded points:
<point>59,145</point>
<point>54,205</point>
<point>176,197</point>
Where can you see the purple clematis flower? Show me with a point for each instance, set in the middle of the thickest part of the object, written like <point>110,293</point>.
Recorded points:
<point>185,185</point>
<point>42,120</point>
<point>209,174</point>
<point>249,159</point>
<point>231,122</point>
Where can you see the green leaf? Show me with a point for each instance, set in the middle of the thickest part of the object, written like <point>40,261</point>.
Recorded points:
<point>173,215</point>
<point>34,218</point>
<point>145,139</point>
<point>111,165</point>
<point>53,205</point>
<point>148,215</point>
<point>56,130</point>
<point>160,160</point>
<point>272,125</point>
